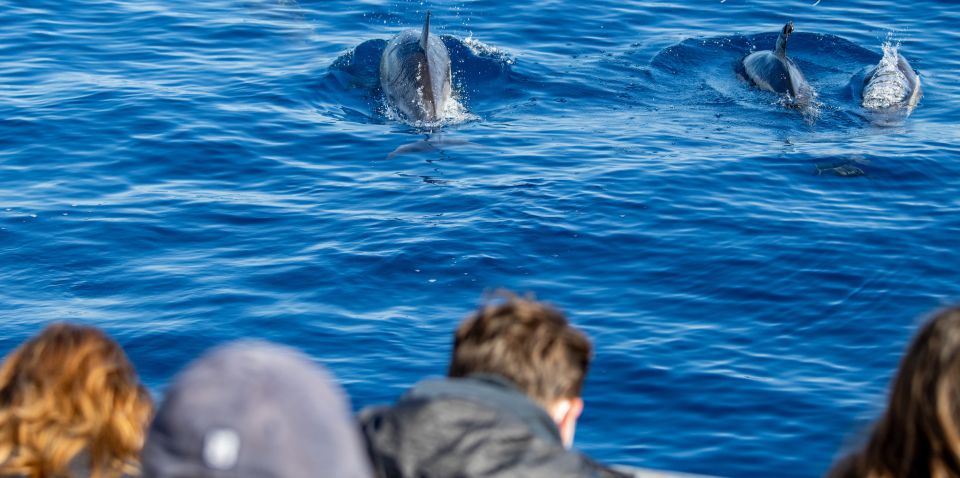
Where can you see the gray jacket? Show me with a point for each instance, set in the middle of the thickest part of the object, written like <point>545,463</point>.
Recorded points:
<point>476,427</point>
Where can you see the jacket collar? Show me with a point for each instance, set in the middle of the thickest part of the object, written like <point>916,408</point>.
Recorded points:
<point>495,392</point>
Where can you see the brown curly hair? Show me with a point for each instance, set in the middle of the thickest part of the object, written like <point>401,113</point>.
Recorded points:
<point>66,393</point>
<point>526,341</point>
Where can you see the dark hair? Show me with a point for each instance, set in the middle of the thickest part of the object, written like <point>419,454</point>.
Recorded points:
<point>528,342</point>
<point>919,434</point>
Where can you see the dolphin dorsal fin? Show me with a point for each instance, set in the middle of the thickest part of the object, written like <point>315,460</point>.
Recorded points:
<point>781,50</point>
<point>425,35</point>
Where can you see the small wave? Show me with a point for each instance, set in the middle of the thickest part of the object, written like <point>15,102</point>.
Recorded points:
<point>481,49</point>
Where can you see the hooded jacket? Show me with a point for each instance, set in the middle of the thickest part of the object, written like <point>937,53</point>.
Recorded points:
<point>476,427</point>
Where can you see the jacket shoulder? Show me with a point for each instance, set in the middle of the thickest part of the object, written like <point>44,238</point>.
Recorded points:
<point>458,437</point>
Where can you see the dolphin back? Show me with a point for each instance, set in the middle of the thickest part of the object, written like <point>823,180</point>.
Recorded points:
<point>769,72</point>
<point>774,71</point>
<point>415,74</point>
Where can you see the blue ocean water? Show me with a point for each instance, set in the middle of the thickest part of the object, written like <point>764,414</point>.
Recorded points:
<point>184,173</point>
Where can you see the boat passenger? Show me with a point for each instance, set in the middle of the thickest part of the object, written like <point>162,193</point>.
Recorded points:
<point>71,405</point>
<point>508,407</point>
<point>918,436</point>
<point>254,410</point>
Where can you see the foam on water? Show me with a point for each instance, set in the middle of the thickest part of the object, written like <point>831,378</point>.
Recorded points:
<point>454,113</point>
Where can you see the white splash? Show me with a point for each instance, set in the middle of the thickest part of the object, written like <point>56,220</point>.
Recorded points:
<point>480,48</point>
<point>888,86</point>
<point>454,113</point>
<point>809,106</point>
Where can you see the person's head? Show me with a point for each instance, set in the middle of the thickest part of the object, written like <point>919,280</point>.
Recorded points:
<point>919,433</point>
<point>254,409</point>
<point>69,391</point>
<point>531,344</point>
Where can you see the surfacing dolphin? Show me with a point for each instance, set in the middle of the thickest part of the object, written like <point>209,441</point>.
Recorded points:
<point>415,74</point>
<point>774,71</point>
<point>892,84</point>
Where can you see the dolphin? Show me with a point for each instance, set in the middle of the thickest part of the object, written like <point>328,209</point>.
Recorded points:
<point>415,74</point>
<point>892,84</point>
<point>773,71</point>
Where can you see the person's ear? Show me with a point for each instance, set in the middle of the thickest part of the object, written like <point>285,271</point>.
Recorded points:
<point>565,413</point>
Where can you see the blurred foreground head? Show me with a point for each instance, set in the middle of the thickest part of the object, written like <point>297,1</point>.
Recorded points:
<point>919,434</point>
<point>251,410</point>
<point>71,405</point>
<point>531,344</point>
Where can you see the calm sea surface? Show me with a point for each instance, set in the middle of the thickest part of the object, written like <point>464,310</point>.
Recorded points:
<point>184,173</point>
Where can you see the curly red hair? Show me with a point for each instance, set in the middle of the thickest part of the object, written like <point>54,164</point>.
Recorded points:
<point>67,391</point>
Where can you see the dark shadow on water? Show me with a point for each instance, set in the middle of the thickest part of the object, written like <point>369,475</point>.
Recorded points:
<point>434,142</point>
